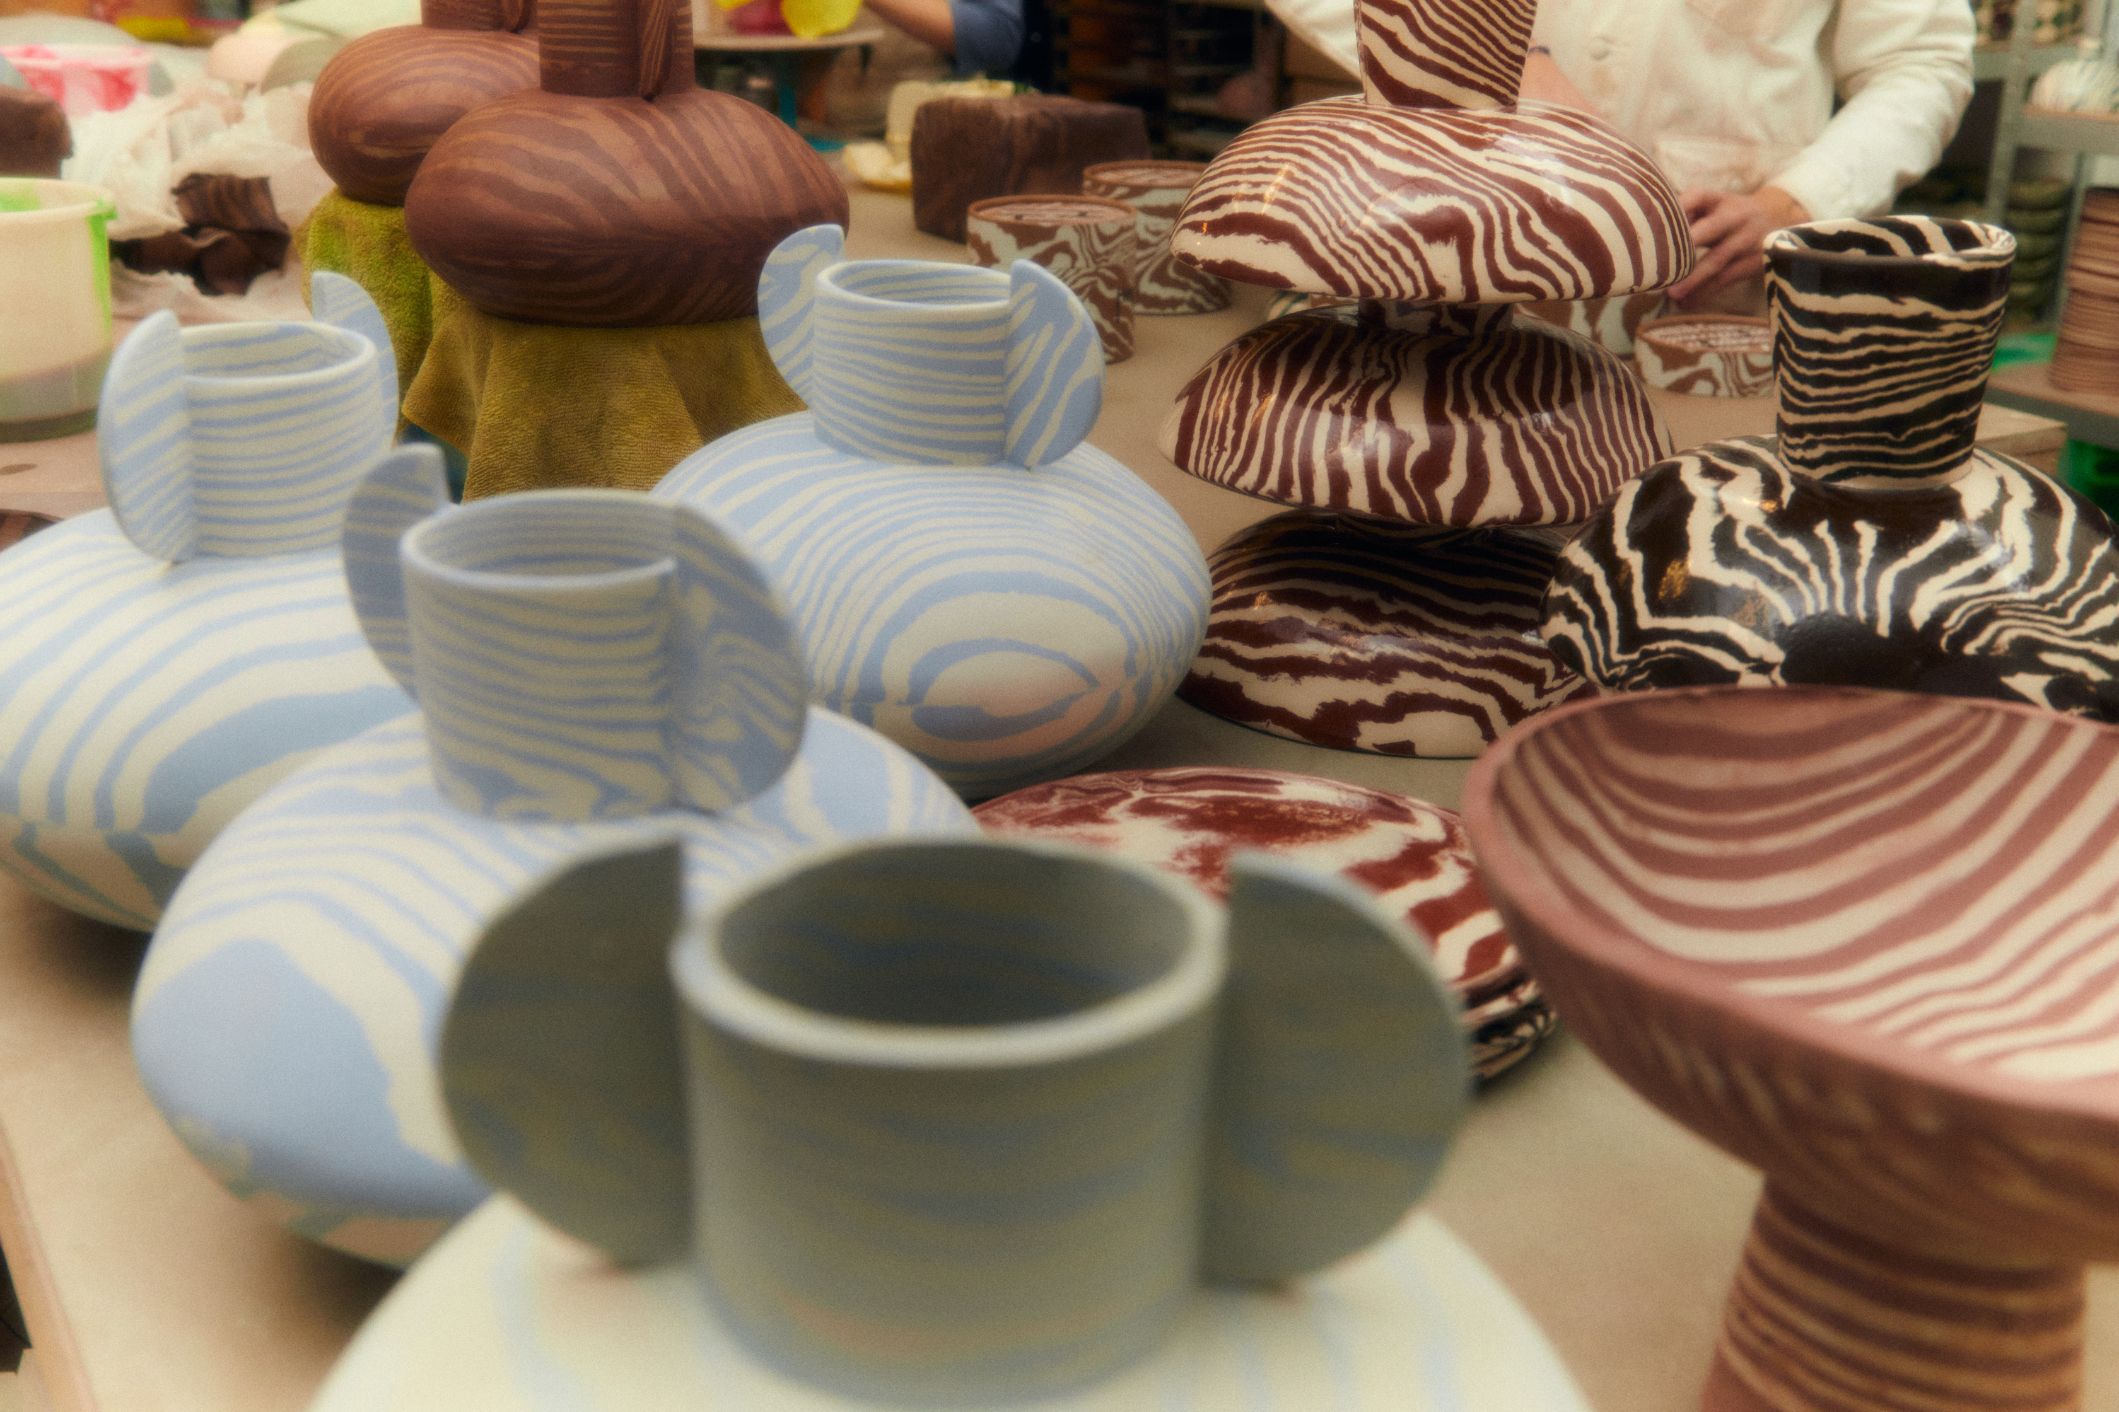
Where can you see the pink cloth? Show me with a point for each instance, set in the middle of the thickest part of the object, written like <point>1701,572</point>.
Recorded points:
<point>82,78</point>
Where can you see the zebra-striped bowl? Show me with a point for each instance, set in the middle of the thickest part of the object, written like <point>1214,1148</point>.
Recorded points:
<point>1869,943</point>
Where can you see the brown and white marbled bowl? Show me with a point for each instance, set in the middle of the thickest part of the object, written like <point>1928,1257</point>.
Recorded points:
<point>1869,943</point>
<point>1413,856</point>
<point>1088,242</point>
<point>1156,191</point>
<point>1707,355</point>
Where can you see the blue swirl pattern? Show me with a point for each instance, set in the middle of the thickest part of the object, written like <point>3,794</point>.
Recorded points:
<point>286,1015</point>
<point>1004,625</point>
<point>170,658</point>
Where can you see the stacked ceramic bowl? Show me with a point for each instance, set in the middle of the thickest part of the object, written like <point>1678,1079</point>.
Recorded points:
<point>2037,217</point>
<point>2086,356</point>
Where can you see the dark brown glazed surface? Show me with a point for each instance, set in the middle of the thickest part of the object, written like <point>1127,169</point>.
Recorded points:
<point>550,206</point>
<point>1364,635</point>
<point>969,149</point>
<point>383,100</point>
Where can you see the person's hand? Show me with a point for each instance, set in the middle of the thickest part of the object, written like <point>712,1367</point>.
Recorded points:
<point>1729,230</point>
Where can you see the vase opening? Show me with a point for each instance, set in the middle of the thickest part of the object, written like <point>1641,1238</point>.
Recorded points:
<point>1443,53</point>
<point>896,951</point>
<point>545,642</point>
<point>1884,332</point>
<point>919,284</point>
<point>912,361</point>
<point>284,418</point>
<point>511,540</point>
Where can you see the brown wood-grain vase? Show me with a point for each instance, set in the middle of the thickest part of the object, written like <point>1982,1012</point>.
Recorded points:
<point>383,100</point>
<point>618,194</point>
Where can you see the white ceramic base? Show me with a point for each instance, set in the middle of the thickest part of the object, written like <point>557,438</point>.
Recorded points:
<point>504,1314</point>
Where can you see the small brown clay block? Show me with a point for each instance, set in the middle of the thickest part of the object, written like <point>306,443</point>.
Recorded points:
<point>34,137</point>
<point>230,202</point>
<point>967,149</point>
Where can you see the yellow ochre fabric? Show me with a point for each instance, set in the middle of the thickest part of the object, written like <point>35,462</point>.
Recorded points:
<point>540,406</point>
<point>368,245</point>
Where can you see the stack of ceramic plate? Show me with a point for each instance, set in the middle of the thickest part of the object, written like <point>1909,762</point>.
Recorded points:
<point>2037,214</point>
<point>1412,855</point>
<point>2086,356</point>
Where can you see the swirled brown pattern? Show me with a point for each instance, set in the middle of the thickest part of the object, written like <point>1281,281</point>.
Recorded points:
<point>1436,205</point>
<point>1087,241</point>
<point>386,98</point>
<point>1813,1284</point>
<point>1868,942</point>
<point>1413,856</point>
<point>1157,190</point>
<point>1446,53</point>
<point>1488,421</point>
<point>616,211</point>
<point>1707,355</point>
<point>1725,566</point>
<point>1365,635</point>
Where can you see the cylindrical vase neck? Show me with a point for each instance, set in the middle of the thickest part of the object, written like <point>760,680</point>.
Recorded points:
<point>912,361</point>
<point>1443,53</point>
<point>282,422</point>
<point>615,48</point>
<point>540,637</point>
<point>1884,332</point>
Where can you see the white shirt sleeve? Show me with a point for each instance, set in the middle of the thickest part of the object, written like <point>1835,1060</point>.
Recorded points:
<point>1903,70</point>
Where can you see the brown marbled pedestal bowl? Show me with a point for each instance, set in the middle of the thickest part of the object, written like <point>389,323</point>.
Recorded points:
<point>1868,943</point>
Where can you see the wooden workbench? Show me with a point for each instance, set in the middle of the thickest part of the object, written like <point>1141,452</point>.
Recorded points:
<point>148,1289</point>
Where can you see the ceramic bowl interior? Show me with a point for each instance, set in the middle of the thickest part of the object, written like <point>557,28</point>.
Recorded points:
<point>1926,239</point>
<point>278,351</point>
<point>958,936</point>
<point>1926,888</point>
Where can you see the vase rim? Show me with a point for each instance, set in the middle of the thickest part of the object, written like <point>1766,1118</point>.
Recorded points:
<point>350,349</point>
<point>715,988</point>
<point>1995,244</point>
<point>653,562</point>
<point>831,277</point>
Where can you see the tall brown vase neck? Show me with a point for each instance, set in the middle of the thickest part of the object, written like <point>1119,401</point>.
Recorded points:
<point>1883,333</point>
<point>512,16</point>
<point>1443,53</point>
<point>615,48</point>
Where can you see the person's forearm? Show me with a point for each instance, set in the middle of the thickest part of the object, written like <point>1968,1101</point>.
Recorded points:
<point>1905,71</point>
<point>932,22</point>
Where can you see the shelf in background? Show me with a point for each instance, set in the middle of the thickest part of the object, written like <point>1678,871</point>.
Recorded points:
<point>1990,62</point>
<point>2069,132</point>
<point>2029,386</point>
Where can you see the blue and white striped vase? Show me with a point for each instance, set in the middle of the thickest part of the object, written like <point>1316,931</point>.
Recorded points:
<point>590,667</point>
<point>166,660</point>
<point>969,577</point>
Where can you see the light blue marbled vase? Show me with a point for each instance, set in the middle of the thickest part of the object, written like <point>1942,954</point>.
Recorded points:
<point>969,577</point>
<point>959,1122</point>
<point>166,660</point>
<point>590,667</point>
